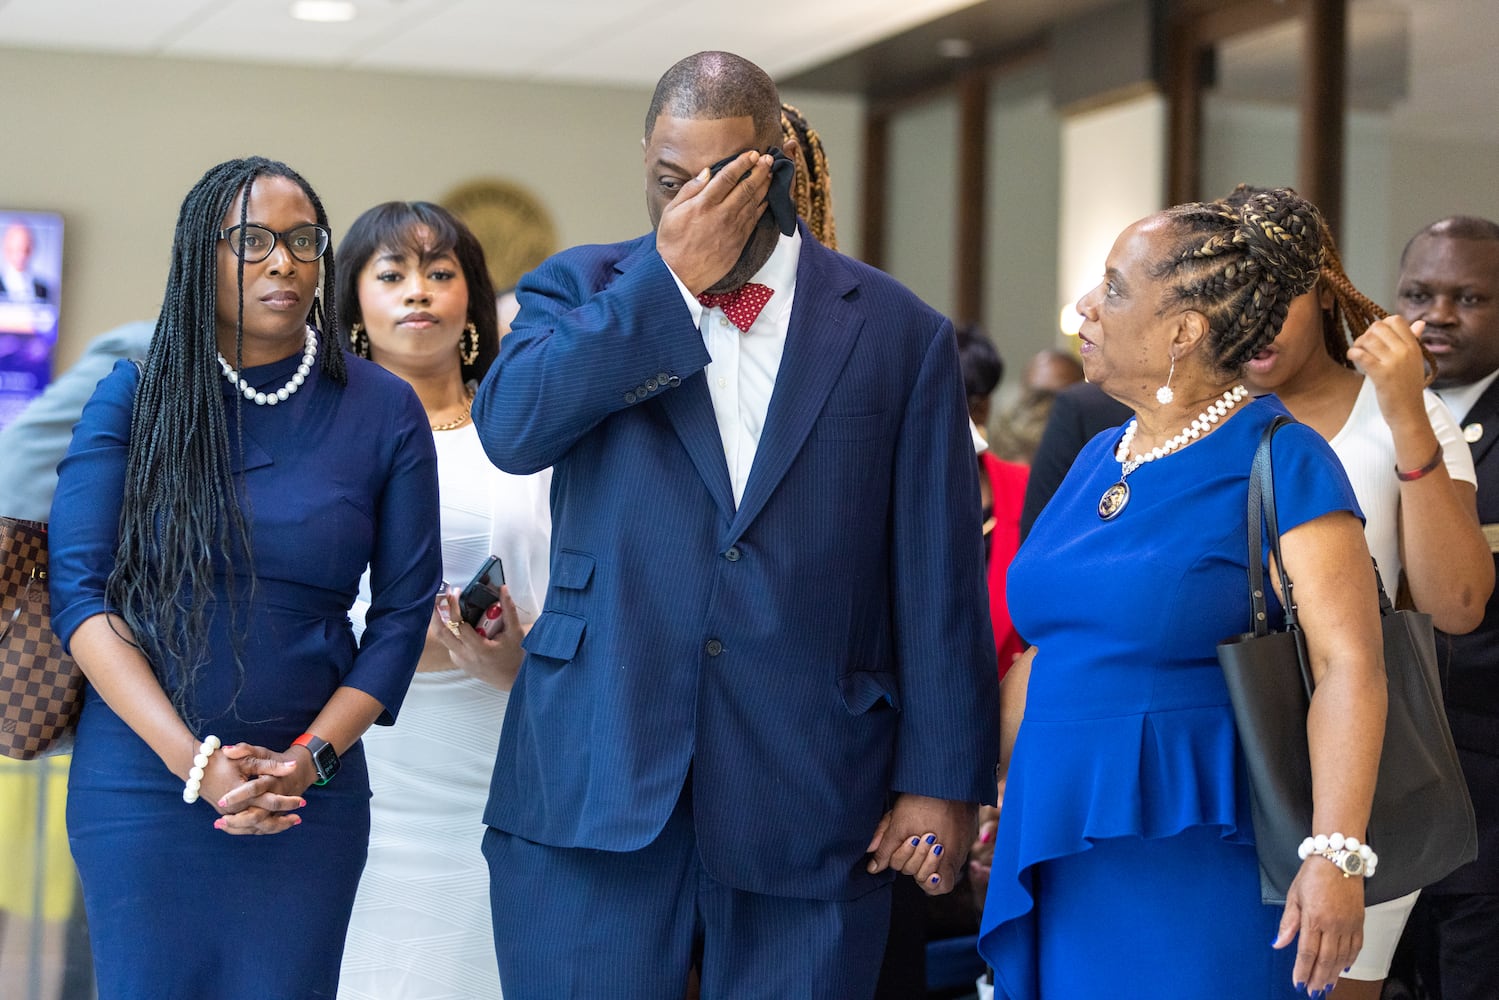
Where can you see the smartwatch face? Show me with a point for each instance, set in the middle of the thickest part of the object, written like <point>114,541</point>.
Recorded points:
<point>326,761</point>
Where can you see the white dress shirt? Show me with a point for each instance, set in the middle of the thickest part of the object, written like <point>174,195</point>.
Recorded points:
<point>742,374</point>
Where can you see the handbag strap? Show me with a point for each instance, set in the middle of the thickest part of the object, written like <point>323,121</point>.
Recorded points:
<point>1262,509</point>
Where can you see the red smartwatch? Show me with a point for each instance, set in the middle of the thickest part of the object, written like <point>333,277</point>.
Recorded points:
<point>324,757</point>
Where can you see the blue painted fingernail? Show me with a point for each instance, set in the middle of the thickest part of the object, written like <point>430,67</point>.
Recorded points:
<point>931,838</point>
<point>935,879</point>
<point>915,841</point>
<point>937,851</point>
<point>1301,987</point>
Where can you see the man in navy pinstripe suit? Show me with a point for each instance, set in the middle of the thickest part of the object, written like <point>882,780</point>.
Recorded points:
<point>763,679</point>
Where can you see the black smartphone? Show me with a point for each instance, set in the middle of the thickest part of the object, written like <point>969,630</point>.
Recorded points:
<point>482,591</point>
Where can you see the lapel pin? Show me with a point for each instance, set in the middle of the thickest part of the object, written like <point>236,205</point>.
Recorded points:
<point>1473,433</point>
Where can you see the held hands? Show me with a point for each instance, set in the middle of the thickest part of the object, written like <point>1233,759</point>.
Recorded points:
<point>1324,914</point>
<point>1389,353</point>
<point>705,227</point>
<point>255,789</point>
<point>494,654</point>
<point>925,838</point>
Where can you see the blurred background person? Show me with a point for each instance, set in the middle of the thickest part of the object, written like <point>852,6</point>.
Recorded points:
<point>1357,376</point>
<point>1449,281</point>
<point>17,282</point>
<point>1017,431</point>
<point>414,296</point>
<point>207,541</point>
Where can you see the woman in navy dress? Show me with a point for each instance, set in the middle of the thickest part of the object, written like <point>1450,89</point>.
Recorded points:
<point>1124,863</point>
<point>212,519</point>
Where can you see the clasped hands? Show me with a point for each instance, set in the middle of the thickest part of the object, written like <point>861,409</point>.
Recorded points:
<point>925,838</point>
<point>256,789</point>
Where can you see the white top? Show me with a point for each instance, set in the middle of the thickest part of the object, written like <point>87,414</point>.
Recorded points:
<point>420,928</point>
<point>1460,398</point>
<point>742,374</point>
<point>1367,450</point>
<point>486,511</point>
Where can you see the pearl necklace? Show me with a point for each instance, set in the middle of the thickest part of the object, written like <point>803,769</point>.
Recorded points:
<point>468,406</point>
<point>282,394</point>
<point>1116,497</point>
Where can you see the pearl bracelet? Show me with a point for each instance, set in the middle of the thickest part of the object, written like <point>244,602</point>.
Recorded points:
<point>200,761</point>
<point>1347,853</point>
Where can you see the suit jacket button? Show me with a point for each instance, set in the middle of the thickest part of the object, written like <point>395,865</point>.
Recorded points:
<point>664,378</point>
<point>651,384</point>
<point>630,397</point>
<point>714,647</point>
<point>732,555</point>
<point>641,391</point>
<point>674,381</point>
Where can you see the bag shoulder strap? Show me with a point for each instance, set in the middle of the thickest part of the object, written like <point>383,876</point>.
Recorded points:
<point>1262,508</point>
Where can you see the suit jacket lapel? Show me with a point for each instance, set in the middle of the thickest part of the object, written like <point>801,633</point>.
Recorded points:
<point>823,329</point>
<point>1486,413</point>
<point>690,410</point>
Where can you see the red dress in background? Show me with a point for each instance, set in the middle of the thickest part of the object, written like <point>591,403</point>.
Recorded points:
<point>1007,488</point>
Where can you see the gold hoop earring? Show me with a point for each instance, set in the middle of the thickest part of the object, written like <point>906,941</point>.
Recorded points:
<point>359,341</point>
<point>468,345</point>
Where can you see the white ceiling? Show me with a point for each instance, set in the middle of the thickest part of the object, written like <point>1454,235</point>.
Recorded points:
<point>1450,84</point>
<point>610,41</point>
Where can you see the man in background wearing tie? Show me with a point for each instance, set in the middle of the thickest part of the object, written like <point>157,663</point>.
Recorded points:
<point>763,678</point>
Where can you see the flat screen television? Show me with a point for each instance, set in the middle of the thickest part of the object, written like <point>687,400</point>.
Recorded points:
<point>30,293</point>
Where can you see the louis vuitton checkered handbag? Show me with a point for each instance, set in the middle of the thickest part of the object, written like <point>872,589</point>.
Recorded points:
<point>41,688</point>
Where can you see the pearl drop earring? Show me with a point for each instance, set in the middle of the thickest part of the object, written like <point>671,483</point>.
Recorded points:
<point>1164,395</point>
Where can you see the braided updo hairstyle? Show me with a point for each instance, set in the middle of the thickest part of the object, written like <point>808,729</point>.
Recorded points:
<point>1240,266</point>
<point>180,514</point>
<point>1352,311</point>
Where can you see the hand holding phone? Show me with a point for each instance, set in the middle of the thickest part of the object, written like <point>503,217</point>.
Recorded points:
<point>482,592</point>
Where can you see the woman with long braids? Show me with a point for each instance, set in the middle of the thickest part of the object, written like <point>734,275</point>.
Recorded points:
<point>414,296</point>
<point>1124,863</point>
<point>1357,376</point>
<point>213,516</point>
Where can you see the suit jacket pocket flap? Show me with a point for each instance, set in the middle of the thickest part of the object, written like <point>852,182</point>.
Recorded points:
<point>864,689</point>
<point>572,570</point>
<point>556,635</point>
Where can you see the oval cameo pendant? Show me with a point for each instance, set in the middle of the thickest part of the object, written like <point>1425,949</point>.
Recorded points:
<point>1113,500</point>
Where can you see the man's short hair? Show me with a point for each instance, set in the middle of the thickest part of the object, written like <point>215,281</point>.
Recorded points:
<point>1455,227</point>
<point>711,85</point>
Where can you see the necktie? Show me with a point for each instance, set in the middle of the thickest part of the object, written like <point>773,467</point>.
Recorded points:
<point>741,305</point>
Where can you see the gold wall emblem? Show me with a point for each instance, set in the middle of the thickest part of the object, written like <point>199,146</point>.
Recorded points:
<point>511,224</point>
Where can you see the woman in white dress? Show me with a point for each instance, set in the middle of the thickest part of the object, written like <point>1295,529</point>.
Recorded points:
<point>1358,376</point>
<point>417,299</point>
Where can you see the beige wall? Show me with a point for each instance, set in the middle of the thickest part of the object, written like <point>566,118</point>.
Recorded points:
<point>114,143</point>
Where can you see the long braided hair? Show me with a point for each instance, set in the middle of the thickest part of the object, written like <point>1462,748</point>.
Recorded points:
<point>813,188</point>
<point>181,506</point>
<point>1240,266</point>
<point>1352,312</point>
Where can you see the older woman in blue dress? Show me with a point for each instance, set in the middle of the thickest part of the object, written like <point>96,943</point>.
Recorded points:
<point>1125,862</point>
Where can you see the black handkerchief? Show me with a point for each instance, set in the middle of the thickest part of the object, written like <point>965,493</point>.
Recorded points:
<point>780,201</point>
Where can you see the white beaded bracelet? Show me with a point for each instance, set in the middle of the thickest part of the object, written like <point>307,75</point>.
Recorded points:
<point>200,761</point>
<point>1347,853</point>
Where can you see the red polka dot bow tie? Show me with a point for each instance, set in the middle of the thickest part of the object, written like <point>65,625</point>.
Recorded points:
<point>741,305</point>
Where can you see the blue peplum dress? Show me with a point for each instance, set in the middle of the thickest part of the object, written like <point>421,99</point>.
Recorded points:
<point>1124,864</point>
<point>334,479</point>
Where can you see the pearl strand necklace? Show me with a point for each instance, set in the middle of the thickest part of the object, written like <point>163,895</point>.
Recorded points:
<point>282,394</point>
<point>1116,497</point>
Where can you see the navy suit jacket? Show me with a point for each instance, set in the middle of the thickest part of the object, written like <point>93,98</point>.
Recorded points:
<point>804,655</point>
<point>1472,663</point>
